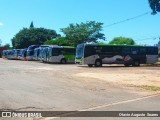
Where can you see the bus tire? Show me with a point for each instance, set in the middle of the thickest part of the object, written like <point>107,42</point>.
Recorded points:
<point>136,63</point>
<point>63,61</point>
<point>90,65</point>
<point>126,65</point>
<point>98,63</point>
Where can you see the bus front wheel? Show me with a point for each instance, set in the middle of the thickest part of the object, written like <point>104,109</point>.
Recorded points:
<point>63,61</point>
<point>90,65</point>
<point>98,63</point>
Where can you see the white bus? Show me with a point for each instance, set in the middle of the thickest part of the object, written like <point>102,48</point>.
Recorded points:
<point>98,54</point>
<point>61,54</point>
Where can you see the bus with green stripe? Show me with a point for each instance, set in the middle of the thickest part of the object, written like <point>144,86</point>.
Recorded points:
<point>99,54</point>
<point>61,54</point>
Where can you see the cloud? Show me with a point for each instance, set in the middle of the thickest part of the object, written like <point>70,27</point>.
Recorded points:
<point>1,24</point>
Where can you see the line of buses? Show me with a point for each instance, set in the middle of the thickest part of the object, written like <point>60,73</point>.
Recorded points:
<point>89,54</point>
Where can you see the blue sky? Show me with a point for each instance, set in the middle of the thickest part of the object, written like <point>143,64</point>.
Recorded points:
<point>56,14</point>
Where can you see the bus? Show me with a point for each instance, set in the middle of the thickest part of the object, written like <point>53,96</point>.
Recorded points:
<point>4,53</point>
<point>42,52</point>
<point>13,54</point>
<point>30,51</point>
<point>36,53</point>
<point>61,54</point>
<point>22,54</point>
<point>98,54</point>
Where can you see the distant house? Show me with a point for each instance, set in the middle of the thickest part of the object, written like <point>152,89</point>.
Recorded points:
<point>1,49</point>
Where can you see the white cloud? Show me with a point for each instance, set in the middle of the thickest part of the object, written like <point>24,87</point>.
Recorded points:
<point>1,24</point>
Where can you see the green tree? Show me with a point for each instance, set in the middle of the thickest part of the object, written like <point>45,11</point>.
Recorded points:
<point>7,46</point>
<point>83,32</point>
<point>155,6</point>
<point>37,36</point>
<point>31,25</point>
<point>122,40</point>
<point>61,41</point>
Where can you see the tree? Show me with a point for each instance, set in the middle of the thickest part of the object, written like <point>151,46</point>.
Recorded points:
<point>37,36</point>
<point>122,40</point>
<point>83,32</point>
<point>31,25</point>
<point>7,46</point>
<point>61,41</point>
<point>155,6</point>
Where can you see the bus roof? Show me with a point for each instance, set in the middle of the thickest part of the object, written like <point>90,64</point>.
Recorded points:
<point>120,45</point>
<point>61,47</point>
<point>68,46</point>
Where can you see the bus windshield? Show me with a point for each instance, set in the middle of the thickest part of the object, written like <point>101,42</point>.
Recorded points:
<point>79,51</point>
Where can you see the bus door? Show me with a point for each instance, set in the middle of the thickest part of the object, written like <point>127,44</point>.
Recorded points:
<point>57,54</point>
<point>152,55</point>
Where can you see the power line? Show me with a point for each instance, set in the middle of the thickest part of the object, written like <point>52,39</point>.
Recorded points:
<point>122,21</point>
<point>153,38</point>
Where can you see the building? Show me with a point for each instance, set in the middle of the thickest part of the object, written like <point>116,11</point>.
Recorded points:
<point>1,49</point>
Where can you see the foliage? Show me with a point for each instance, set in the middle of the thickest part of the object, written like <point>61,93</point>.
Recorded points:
<point>155,6</point>
<point>7,46</point>
<point>32,36</point>
<point>122,40</point>
<point>31,25</point>
<point>83,32</point>
<point>61,41</point>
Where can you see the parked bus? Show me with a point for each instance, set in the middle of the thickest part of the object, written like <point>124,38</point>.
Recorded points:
<point>4,53</point>
<point>30,51</point>
<point>42,52</point>
<point>98,54</point>
<point>13,54</point>
<point>61,54</point>
<point>22,54</point>
<point>36,53</point>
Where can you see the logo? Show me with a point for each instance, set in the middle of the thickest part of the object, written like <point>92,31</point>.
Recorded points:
<point>6,114</point>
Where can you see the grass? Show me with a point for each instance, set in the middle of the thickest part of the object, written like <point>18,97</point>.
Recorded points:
<point>150,88</point>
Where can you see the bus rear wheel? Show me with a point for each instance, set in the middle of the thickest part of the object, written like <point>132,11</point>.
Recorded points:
<point>63,61</point>
<point>98,63</point>
<point>136,63</point>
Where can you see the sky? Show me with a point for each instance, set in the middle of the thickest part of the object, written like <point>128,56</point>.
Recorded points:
<point>56,14</point>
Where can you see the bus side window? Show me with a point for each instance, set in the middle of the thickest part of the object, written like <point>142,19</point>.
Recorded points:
<point>107,50</point>
<point>152,51</point>
<point>70,51</point>
<point>89,50</point>
<point>55,52</point>
<point>134,50</point>
<point>126,51</point>
<point>142,51</point>
<point>117,50</point>
<point>98,49</point>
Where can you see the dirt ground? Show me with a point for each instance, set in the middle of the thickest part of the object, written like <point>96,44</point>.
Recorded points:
<point>136,76</point>
<point>114,74</point>
<point>31,85</point>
